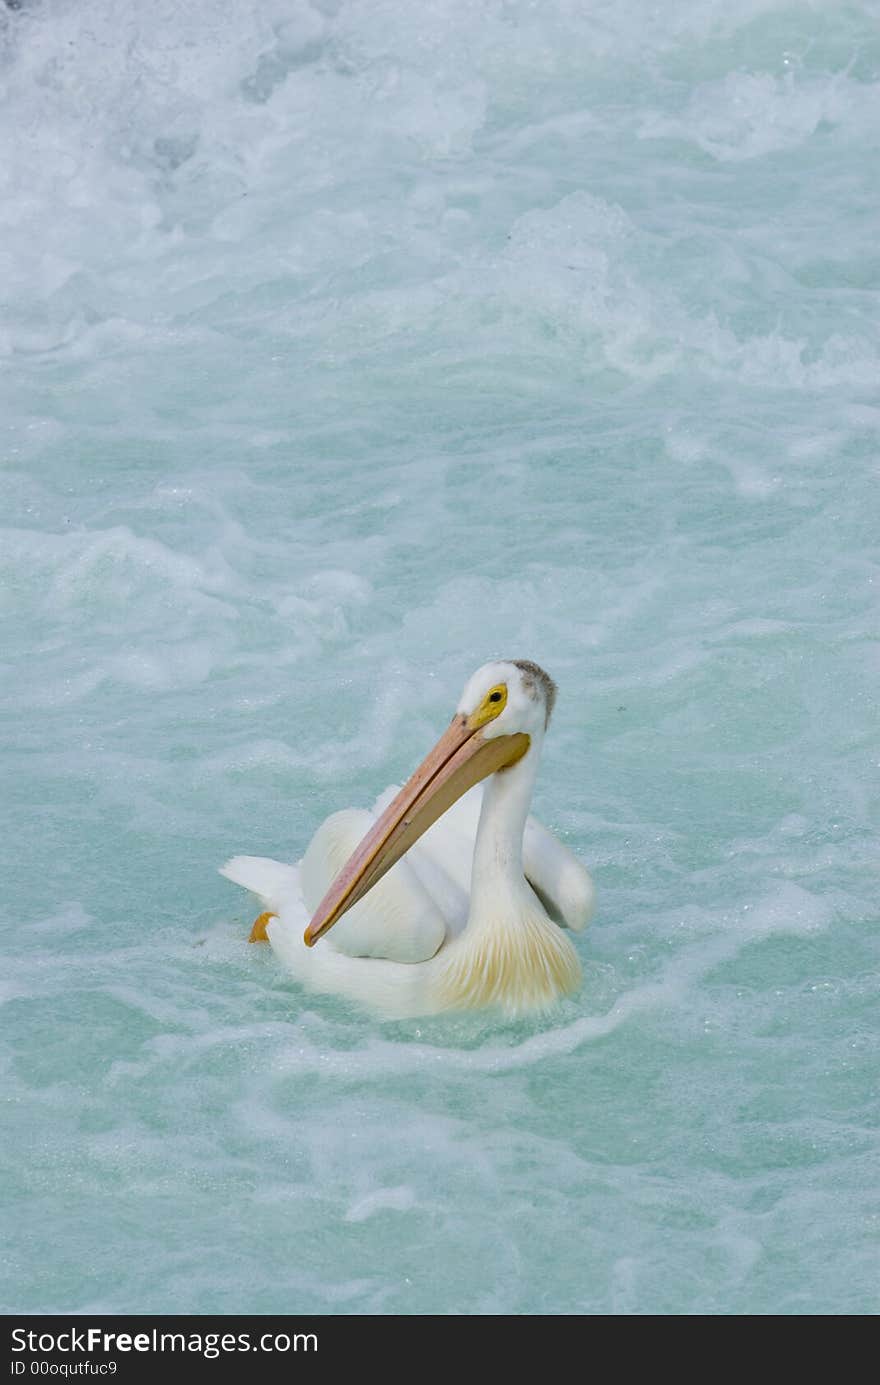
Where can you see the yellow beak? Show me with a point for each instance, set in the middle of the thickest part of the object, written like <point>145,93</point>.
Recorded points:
<point>461,758</point>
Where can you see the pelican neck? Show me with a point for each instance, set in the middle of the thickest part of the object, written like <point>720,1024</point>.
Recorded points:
<point>498,849</point>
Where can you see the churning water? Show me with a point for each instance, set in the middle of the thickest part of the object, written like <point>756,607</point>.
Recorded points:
<point>345,345</point>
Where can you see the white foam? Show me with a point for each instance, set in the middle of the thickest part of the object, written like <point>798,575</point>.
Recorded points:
<point>384,1199</point>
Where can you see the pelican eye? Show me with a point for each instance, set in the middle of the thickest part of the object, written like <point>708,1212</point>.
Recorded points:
<point>494,702</point>
<point>492,706</point>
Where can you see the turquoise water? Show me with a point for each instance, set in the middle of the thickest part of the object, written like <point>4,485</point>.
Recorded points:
<point>344,346</point>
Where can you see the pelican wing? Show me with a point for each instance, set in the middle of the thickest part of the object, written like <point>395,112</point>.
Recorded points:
<point>557,877</point>
<point>399,919</point>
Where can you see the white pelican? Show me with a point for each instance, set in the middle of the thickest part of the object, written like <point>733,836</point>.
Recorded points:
<point>474,915</point>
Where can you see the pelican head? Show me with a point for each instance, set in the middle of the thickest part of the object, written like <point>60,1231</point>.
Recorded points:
<point>502,712</point>
<point>518,694</point>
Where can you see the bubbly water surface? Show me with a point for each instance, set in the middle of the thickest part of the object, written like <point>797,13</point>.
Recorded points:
<point>345,345</point>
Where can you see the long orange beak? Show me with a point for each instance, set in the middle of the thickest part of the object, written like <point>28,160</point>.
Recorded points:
<point>460,759</point>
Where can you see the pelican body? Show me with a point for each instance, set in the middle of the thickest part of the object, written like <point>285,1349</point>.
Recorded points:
<point>446,895</point>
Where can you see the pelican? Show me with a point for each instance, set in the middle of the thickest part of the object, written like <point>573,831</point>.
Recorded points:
<point>447,895</point>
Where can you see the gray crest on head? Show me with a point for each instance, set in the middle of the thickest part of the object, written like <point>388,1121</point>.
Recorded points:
<point>537,683</point>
